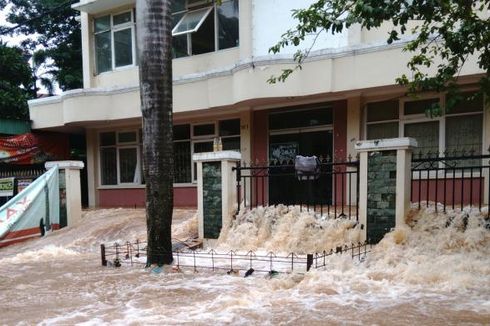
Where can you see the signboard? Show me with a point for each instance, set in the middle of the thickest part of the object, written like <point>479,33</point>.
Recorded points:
<point>6,187</point>
<point>22,183</point>
<point>283,152</point>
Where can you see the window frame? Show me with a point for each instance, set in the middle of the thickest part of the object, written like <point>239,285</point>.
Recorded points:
<point>404,119</point>
<point>200,5</point>
<point>121,145</point>
<point>112,29</point>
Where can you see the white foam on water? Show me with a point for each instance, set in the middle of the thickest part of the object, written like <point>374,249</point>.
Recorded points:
<point>434,271</point>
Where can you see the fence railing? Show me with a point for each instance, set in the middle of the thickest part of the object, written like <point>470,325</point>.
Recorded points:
<point>453,181</point>
<point>21,171</point>
<point>334,190</point>
<point>134,253</point>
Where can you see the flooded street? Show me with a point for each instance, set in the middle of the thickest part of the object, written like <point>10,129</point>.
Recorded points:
<point>429,274</point>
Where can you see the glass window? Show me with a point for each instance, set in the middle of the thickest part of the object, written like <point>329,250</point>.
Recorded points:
<point>128,163</point>
<point>107,138</point>
<point>122,18</point>
<point>229,127</point>
<point>464,133</point>
<point>418,107</point>
<point>182,132</point>
<point>108,166</point>
<point>426,134</point>
<point>103,52</point>
<point>382,130</point>
<point>203,40</point>
<point>468,103</point>
<point>102,24</point>
<point>123,47</point>
<point>126,137</point>
<point>182,156</point>
<point>231,143</point>
<point>381,111</point>
<point>203,130</point>
<point>228,24</point>
<point>301,118</point>
<point>191,21</point>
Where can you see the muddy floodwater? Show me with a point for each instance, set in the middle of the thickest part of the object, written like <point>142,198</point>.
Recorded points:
<point>435,272</point>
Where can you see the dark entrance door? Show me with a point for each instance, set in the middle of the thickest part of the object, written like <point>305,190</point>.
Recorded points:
<point>284,187</point>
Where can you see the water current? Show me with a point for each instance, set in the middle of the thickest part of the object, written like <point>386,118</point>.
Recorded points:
<point>436,271</point>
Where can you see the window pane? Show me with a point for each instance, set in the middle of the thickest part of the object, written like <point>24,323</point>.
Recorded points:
<point>426,134</point>
<point>382,130</point>
<point>107,138</point>
<point>102,24</point>
<point>229,127</point>
<point>380,111</point>
<point>178,5</point>
<point>190,22</point>
<point>231,144</point>
<point>128,162</point>
<point>123,47</point>
<point>228,24</point>
<point>204,130</point>
<point>103,52</point>
<point>467,105</point>
<point>203,39</point>
<point>203,147</point>
<point>301,118</point>
<point>122,18</point>
<point>182,156</point>
<point>126,137</point>
<point>464,133</point>
<point>418,107</point>
<point>182,132</point>
<point>179,46</point>
<point>108,162</point>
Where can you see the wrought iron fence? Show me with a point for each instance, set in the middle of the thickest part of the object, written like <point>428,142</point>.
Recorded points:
<point>134,253</point>
<point>334,190</point>
<point>21,171</point>
<point>452,179</point>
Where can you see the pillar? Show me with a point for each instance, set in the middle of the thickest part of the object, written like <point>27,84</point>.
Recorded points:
<point>216,191</point>
<point>70,180</point>
<point>384,185</point>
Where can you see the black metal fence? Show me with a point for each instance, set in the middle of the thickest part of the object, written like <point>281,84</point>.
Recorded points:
<point>451,180</point>
<point>21,171</point>
<point>334,190</point>
<point>134,253</point>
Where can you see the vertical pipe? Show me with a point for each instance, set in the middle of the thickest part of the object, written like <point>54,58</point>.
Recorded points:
<point>102,255</point>
<point>309,262</point>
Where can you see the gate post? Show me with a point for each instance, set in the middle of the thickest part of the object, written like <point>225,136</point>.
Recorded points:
<point>216,191</point>
<point>384,185</point>
<point>72,199</point>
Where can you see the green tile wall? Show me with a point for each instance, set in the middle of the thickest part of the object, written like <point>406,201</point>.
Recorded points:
<point>211,175</point>
<point>381,201</point>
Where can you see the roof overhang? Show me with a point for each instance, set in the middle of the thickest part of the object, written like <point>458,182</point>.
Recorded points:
<point>96,6</point>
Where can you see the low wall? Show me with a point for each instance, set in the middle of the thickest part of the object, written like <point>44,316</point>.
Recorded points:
<point>183,197</point>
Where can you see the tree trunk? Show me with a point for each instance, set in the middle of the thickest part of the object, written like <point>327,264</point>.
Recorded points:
<point>154,25</point>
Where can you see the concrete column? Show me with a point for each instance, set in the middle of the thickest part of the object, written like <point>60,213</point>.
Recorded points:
<point>353,135</point>
<point>70,177</point>
<point>92,171</point>
<point>375,200</point>
<point>216,191</point>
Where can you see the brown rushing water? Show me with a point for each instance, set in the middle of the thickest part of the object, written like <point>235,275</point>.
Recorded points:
<point>427,275</point>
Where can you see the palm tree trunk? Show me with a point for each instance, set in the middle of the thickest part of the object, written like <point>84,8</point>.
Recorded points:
<point>154,25</point>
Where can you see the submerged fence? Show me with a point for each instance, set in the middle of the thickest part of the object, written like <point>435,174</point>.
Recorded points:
<point>134,253</point>
<point>334,190</point>
<point>454,180</point>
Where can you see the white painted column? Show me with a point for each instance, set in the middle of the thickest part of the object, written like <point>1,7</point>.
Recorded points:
<point>403,148</point>
<point>228,160</point>
<point>71,171</point>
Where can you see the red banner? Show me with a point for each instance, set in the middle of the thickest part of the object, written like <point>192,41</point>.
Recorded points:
<point>33,148</point>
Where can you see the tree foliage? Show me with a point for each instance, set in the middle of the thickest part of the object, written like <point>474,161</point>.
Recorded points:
<point>54,32</point>
<point>447,34</point>
<point>16,83</point>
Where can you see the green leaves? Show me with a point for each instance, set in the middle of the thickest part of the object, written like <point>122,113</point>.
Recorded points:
<point>449,32</point>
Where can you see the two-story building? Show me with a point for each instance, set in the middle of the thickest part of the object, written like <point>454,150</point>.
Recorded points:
<point>345,92</point>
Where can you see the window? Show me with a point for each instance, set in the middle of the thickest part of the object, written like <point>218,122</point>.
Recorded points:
<point>114,41</point>
<point>199,138</point>
<point>200,27</point>
<point>120,161</point>
<point>459,129</point>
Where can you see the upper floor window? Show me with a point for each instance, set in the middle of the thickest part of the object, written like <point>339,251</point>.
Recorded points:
<point>114,41</point>
<point>202,26</point>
